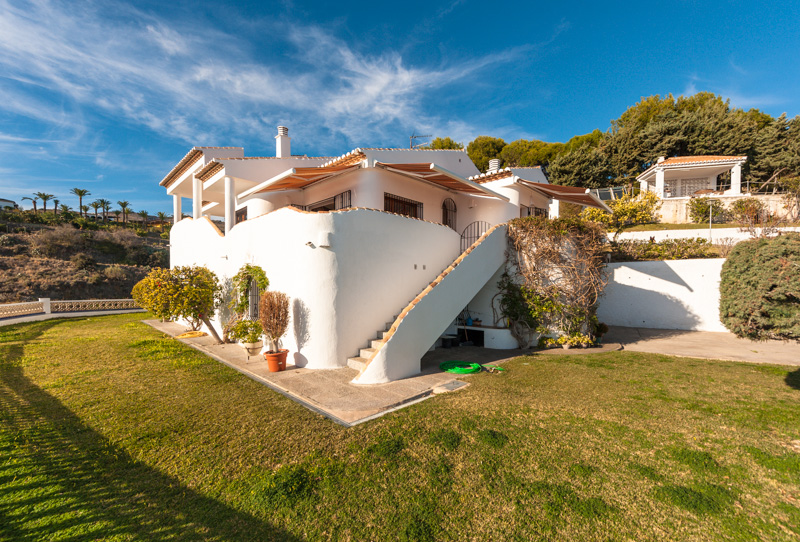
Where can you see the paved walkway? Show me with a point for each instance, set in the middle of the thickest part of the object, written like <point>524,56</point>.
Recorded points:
<point>330,393</point>
<point>704,344</point>
<point>44,316</point>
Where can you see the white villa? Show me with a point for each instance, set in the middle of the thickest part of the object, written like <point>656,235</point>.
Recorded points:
<point>379,249</point>
<point>677,179</point>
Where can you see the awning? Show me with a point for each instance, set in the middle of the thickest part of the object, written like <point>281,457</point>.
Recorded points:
<point>298,178</point>
<point>569,194</point>
<point>441,177</point>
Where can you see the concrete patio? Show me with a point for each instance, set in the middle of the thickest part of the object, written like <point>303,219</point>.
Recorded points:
<point>330,393</point>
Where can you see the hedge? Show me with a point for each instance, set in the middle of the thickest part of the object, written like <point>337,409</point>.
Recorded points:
<point>760,289</point>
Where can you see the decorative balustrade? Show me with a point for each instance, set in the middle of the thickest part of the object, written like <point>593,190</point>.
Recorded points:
<point>21,309</point>
<point>46,306</point>
<point>92,305</point>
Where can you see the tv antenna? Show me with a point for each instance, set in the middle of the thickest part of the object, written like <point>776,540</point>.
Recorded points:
<point>413,137</point>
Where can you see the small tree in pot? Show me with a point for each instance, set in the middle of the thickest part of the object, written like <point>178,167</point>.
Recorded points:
<point>248,333</point>
<point>274,314</point>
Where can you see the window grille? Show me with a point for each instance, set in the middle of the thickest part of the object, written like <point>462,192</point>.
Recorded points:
<point>339,201</point>
<point>402,206</point>
<point>253,299</point>
<point>449,213</point>
<point>240,216</point>
<point>342,200</point>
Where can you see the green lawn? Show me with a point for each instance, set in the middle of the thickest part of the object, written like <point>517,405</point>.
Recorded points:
<point>109,430</point>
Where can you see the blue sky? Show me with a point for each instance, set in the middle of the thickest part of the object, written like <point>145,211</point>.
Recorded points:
<point>108,96</point>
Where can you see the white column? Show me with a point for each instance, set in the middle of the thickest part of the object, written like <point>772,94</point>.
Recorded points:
<point>197,198</point>
<point>45,301</point>
<point>177,214</point>
<point>554,208</point>
<point>660,183</point>
<point>230,204</point>
<point>736,180</point>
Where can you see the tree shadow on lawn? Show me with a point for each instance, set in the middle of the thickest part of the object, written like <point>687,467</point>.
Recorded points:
<point>793,379</point>
<point>61,479</point>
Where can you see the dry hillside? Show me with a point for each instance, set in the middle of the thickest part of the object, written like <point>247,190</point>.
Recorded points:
<point>66,263</point>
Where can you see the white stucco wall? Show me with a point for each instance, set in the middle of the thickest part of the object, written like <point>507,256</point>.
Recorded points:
<point>432,314</point>
<point>716,234</point>
<point>677,294</point>
<point>340,296</point>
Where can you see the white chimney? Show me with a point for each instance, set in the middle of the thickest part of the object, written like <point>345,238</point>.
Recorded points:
<point>283,143</point>
<point>494,165</point>
<point>660,159</point>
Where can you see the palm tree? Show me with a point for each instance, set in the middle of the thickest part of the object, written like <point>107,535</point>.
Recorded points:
<point>80,192</point>
<point>105,205</point>
<point>162,217</point>
<point>33,199</point>
<point>116,214</point>
<point>45,198</point>
<point>85,211</point>
<point>124,206</point>
<point>64,208</point>
<point>55,207</point>
<point>144,215</point>
<point>95,205</point>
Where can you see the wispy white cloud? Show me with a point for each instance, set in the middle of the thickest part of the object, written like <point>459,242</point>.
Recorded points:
<point>200,85</point>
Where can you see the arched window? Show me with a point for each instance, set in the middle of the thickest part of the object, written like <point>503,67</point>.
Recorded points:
<point>449,213</point>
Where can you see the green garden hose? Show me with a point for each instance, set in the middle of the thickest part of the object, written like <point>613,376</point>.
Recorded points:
<point>460,367</point>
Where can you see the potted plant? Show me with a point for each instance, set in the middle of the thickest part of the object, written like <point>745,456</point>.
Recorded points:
<point>274,315</point>
<point>248,333</point>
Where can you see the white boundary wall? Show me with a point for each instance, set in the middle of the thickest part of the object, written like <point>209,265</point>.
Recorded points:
<point>716,234</point>
<point>674,294</point>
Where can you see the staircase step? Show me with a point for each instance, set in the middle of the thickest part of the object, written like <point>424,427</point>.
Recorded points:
<point>383,335</point>
<point>366,352</point>
<point>376,344</point>
<point>357,363</point>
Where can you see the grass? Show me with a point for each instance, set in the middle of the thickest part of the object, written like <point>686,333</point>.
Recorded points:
<point>109,430</point>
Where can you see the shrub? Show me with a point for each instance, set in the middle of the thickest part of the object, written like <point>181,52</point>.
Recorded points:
<point>699,209</point>
<point>191,293</point>
<point>164,235</point>
<point>274,313</point>
<point>60,242</point>
<point>627,211</point>
<point>155,293</point>
<point>748,210</point>
<point>669,249</point>
<point>84,224</point>
<point>246,331</point>
<point>115,272</point>
<point>760,289</point>
<point>83,261</point>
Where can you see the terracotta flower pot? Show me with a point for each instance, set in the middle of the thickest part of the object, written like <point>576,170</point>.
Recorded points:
<point>276,360</point>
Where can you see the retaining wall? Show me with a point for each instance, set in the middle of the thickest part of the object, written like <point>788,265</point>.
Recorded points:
<point>673,294</point>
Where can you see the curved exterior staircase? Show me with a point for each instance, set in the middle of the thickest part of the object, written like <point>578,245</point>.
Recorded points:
<point>396,352</point>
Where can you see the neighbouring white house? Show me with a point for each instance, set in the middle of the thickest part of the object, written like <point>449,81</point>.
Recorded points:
<point>379,249</point>
<point>679,178</point>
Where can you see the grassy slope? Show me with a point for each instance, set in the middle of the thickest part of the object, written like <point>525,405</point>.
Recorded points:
<point>108,429</point>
